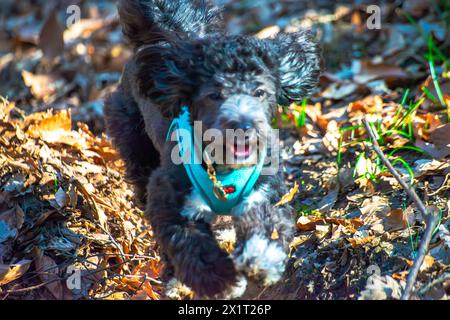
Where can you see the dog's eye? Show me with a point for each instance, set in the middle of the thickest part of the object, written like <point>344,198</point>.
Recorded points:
<point>260,93</point>
<point>215,96</point>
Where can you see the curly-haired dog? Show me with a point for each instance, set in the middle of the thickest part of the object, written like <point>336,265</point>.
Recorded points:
<point>228,82</point>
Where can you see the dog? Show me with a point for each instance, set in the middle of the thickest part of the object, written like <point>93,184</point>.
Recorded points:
<point>182,57</point>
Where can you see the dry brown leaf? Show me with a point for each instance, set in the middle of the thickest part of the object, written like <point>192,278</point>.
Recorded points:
<point>48,272</point>
<point>375,205</point>
<point>118,296</point>
<point>338,91</point>
<point>151,268</point>
<point>428,262</point>
<point>13,217</point>
<point>440,137</point>
<point>360,241</point>
<point>288,197</point>
<point>48,121</point>
<point>275,235</point>
<point>352,225</point>
<point>370,104</point>
<point>55,128</point>
<point>147,287</point>
<point>5,109</point>
<point>398,219</point>
<point>42,86</point>
<point>308,223</point>
<point>83,29</point>
<point>431,149</point>
<point>51,39</point>
<point>370,71</point>
<point>315,114</point>
<point>401,276</point>
<point>357,22</point>
<point>62,198</point>
<point>98,211</point>
<point>11,272</point>
<point>423,124</point>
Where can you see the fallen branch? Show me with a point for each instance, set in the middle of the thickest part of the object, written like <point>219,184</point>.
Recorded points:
<point>431,217</point>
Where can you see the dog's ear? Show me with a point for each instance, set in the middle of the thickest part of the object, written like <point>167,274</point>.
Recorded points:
<point>299,68</point>
<point>162,76</point>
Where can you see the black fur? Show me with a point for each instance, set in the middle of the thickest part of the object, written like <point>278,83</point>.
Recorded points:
<point>126,127</point>
<point>182,58</point>
<point>149,22</point>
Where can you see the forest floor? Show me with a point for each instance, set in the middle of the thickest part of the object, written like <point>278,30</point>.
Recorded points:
<point>66,213</point>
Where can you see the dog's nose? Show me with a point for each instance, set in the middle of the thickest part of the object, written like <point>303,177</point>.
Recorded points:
<point>245,126</point>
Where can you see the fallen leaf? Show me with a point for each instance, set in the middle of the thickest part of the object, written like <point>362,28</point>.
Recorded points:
<point>370,71</point>
<point>39,123</point>
<point>440,137</point>
<point>118,296</point>
<point>308,223</point>
<point>350,224</point>
<point>48,272</point>
<point>398,219</point>
<point>338,91</point>
<point>42,86</point>
<point>13,271</point>
<point>147,287</point>
<point>328,201</point>
<point>51,39</point>
<point>275,235</point>
<point>432,150</point>
<point>370,104</point>
<point>62,198</point>
<point>400,276</point>
<point>375,205</point>
<point>360,241</point>
<point>288,197</point>
<point>428,262</point>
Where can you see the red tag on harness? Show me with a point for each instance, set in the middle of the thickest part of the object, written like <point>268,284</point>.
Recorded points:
<point>229,189</point>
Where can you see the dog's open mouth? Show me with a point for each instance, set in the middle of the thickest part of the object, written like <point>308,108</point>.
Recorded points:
<point>241,151</point>
<point>241,154</point>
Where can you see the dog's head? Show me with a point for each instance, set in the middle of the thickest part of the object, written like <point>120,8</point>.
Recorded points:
<point>230,83</point>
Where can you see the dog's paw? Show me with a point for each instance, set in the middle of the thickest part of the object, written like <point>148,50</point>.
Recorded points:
<point>236,291</point>
<point>262,259</point>
<point>176,290</point>
<point>205,268</point>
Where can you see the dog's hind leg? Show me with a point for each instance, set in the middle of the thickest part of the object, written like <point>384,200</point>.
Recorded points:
<point>125,126</point>
<point>190,246</point>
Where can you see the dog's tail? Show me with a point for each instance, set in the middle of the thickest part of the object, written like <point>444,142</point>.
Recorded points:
<point>151,21</point>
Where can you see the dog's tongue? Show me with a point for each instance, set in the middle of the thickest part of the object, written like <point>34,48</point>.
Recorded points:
<point>241,151</point>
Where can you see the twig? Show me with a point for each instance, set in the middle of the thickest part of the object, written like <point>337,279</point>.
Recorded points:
<point>442,278</point>
<point>431,217</point>
<point>40,285</point>
<point>442,187</point>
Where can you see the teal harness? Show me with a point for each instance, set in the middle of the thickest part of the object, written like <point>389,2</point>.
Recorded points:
<point>235,185</point>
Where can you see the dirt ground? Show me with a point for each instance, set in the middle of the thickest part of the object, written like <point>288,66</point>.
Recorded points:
<point>66,213</point>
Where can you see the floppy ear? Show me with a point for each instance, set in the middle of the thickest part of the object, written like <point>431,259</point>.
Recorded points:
<point>299,66</point>
<point>163,77</point>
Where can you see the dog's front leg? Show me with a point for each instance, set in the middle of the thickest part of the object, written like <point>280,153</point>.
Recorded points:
<point>263,234</point>
<point>189,245</point>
